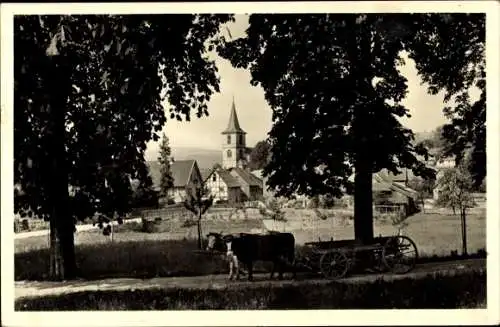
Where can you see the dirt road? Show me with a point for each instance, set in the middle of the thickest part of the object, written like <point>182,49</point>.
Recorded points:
<point>38,289</point>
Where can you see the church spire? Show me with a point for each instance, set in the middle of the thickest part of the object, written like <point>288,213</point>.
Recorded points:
<point>233,126</point>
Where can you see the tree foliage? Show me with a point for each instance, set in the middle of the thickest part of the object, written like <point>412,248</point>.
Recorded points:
<point>112,98</point>
<point>455,191</point>
<point>328,78</point>
<point>88,94</point>
<point>449,52</point>
<point>455,187</point>
<point>424,187</point>
<point>260,155</point>
<point>144,195</point>
<point>166,181</point>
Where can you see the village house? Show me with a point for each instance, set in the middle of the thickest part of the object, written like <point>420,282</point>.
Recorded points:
<point>392,191</point>
<point>185,173</point>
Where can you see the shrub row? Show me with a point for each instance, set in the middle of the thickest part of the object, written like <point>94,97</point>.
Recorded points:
<point>438,292</point>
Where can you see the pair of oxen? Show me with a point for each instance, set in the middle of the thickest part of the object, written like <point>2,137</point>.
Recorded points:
<point>279,248</point>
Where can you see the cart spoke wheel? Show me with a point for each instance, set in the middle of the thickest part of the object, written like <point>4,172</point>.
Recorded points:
<point>334,264</point>
<point>400,254</point>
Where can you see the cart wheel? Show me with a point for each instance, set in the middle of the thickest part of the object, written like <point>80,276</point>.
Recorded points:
<point>400,254</point>
<point>334,264</point>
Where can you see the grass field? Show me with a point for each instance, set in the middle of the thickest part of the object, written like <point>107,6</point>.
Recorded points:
<point>433,233</point>
<point>466,290</point>
<point>170,252</point>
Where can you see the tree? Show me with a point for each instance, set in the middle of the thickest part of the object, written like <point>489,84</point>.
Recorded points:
<point>144,196</point>
<point>455,191</point>
<point>424,187</point>
<point>198,202</point>
<point>449,52</point>
<point>167,181</point>
<point>328,78</point>
<point>87,99</point>
<point>260,155</point>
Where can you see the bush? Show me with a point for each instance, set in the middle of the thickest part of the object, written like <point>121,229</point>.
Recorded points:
<point>320,215</point>
<point>327,201</point>
<point>149,226</point>
<point>129,226</point>
<point>314,202</point>
<point>441,292</point>
<point>25,225</point>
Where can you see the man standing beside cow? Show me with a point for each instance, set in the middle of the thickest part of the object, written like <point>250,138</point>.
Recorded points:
<point>279,248</point>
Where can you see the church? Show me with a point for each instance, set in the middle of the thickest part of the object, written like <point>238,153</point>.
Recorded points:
<point>229,181</point>
<point>232,181</point>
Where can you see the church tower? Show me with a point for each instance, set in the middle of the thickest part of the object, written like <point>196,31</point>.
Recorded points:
<point>234,143</point>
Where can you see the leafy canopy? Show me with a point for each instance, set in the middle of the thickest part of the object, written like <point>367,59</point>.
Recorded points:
<point>335,91</point>
<point>455,188</point>
<point>449,51</point>
<point>260,155</point>
<point>119,70</point>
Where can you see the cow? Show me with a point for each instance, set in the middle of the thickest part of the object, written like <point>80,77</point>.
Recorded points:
<point>278,248</point>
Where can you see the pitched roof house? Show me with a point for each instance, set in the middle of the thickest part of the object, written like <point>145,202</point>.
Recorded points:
<point>185,174</point>
<point>233,185</point>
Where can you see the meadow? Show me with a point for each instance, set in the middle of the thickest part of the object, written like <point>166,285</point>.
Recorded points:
<point>169,249</point>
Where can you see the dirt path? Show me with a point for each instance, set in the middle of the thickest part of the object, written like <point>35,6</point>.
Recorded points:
<point>38,289</point>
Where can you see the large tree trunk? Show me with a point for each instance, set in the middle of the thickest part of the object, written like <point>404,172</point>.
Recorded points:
<point>463,218</point>
<point>62,248</point>
<point>363,210</point>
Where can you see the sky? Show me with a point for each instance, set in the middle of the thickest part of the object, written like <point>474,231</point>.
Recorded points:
<point>254,113</point>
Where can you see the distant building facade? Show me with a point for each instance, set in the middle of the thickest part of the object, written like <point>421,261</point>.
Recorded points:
<point>232,181</point>
<point>186,176</point>
<point>234,150</point>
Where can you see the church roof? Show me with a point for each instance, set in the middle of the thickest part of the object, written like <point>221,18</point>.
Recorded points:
<point>233,126</point>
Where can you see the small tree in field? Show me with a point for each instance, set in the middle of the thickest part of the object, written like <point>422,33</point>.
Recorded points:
<point>198,202</point>
<point>166,181</point>
<point>455,187</point>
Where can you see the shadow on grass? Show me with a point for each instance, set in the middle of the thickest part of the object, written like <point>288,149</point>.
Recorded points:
<point>148,259</point>
<point>433,292</point>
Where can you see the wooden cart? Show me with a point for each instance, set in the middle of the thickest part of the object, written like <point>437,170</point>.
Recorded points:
<point>336,259</point>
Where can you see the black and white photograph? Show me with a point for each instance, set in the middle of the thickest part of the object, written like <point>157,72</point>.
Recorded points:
<point>226,159</point>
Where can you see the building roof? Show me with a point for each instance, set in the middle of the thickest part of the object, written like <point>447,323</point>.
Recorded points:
<point>205,173</point>
<point>383,182</point>
<point>181,171</point>
<point>247,177</point>
<point>403,176</point>
<point>233,125</point>
<point>229,180</point>
<point>381,186</point>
